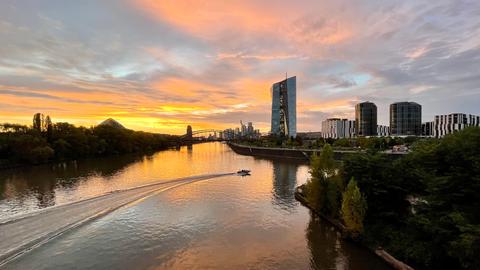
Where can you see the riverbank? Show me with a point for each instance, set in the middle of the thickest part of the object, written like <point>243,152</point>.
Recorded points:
<point>292,153</point>
<point>7,165</point>
<point>384,255</point>
<point>172,146</point>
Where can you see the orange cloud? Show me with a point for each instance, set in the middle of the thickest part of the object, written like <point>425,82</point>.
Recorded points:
<point>284,21</point>
<point>203,17</point>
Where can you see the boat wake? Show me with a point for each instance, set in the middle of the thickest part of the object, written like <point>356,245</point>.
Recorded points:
<point>21,234</point>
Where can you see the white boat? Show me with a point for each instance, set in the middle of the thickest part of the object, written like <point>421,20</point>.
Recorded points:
<point>243,172</point>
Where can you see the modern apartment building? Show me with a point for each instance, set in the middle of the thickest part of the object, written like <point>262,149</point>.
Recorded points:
<point>427,129</point>
<point>284,108</point>
<point>449,123</point>
<point>366,119</point>
<point>405,119</point>
<point>383,131</point>
<point>338,128</point>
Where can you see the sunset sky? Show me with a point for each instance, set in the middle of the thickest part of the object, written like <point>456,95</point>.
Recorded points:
<point>162,65</point>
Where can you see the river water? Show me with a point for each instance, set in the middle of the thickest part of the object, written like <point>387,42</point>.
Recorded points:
<point>228,222</point>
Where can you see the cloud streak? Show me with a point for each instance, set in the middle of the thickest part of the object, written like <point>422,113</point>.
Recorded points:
<point>160,65</point>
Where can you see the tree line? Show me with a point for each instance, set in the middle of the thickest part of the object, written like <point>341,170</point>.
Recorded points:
<point>46,141</point>
<point>423,208</point>
<point>374,143</point>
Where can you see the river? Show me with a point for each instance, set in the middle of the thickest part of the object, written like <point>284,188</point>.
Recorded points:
<point>226,222</point>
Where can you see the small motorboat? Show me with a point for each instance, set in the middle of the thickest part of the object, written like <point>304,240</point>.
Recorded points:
<point>243,172</point>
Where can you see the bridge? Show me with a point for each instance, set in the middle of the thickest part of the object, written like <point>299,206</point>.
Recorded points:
<point>190,133</point>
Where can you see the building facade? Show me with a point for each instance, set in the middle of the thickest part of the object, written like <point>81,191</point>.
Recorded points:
<point>405,119</point>
<point>450,123</point>
<point>366,119</point>
<point>284,108</point>
<point>338,128</point>
<point>427,129</point>
<point>383,131</point>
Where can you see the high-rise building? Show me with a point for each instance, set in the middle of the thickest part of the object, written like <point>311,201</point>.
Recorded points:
<point>450,123</point>
<point>284,108</point>
<point>250,129</point>
<point>366,119</point>
<point>338,128</point>
<point>243,129</point>
<point>405,119</point>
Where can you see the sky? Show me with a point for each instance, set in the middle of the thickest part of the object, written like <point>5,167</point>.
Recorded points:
<point>162,65</point>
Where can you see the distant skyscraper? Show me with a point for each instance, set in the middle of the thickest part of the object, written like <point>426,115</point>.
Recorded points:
<point>406,119</point>
<point>284,108</point>
<point>366,119</point>
<point>250,129</point>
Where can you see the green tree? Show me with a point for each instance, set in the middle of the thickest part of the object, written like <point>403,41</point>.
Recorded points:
<point>313,187</point>
<point>449,213</point>
<point>325,183</point>
<point>40,154</point>
<point>354,209</point>
<point>343,142</point>
<point>38,122</point>
<point>48,127</point>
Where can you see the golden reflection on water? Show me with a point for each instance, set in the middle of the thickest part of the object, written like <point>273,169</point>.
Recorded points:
<point>27,189</point>
<point>229,222</point>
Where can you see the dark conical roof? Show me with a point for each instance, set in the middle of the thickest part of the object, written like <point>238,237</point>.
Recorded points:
<point>112,123</point>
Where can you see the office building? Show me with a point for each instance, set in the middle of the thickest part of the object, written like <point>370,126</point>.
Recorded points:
<point>383,131</point>
<point>366,119</point>
<point>338,128</point>
<point>405,119</point>
<point>250,129</point>
<point>284,108</point>
<point>450,123</point>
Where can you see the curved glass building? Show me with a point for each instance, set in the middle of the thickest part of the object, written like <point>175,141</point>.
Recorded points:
<point>406,119</point>
<point>366,119</point>
<point>284,108</point>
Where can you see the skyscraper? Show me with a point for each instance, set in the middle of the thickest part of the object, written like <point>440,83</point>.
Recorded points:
<point>406,119</point>
<point>284,108</point>
<point>366,119</point>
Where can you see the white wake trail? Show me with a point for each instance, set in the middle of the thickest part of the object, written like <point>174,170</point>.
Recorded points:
<point>21,234</point>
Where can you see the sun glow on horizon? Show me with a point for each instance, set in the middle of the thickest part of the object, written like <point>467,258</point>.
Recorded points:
<point>159,66</point>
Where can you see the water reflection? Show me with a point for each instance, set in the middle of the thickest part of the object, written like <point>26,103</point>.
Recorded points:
<point>329,251</point>
<point>45,194</point>
<point>30,188</point>
<point>284,183</point>
<point>325,247</point>
<point>224,223</point>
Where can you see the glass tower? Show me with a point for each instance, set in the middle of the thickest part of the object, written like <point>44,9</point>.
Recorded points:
<point>406,119</point>
<point>284,108</point>
<point>366,119</point>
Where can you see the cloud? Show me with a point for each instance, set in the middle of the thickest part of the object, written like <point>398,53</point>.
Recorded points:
<point>47,96</point>
<point>157,65</point>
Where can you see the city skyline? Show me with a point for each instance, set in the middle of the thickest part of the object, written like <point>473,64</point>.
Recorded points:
<point>160,66</point>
